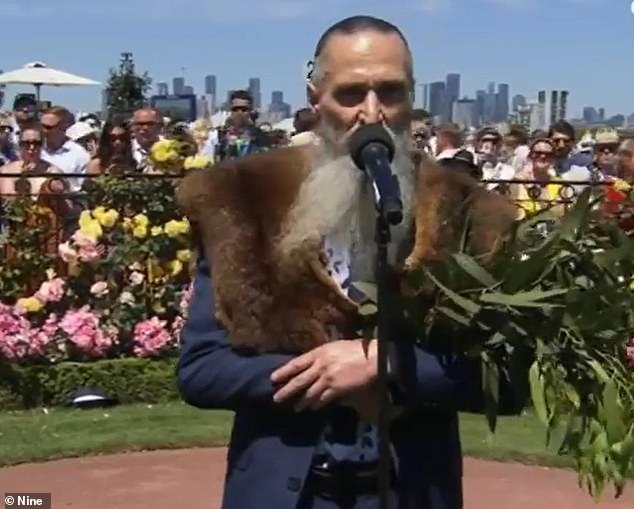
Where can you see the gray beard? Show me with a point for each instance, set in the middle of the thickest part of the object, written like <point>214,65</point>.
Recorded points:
<point>337,201</point>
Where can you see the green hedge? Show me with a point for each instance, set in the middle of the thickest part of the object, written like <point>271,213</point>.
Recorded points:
<point>129,380</point>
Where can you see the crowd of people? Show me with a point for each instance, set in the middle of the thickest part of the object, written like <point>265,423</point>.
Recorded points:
<point>34,144</point>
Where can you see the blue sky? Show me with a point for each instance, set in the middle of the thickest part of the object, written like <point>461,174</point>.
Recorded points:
<point>581,45</point>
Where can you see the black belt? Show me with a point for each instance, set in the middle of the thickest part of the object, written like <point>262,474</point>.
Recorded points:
<point>344,480</point>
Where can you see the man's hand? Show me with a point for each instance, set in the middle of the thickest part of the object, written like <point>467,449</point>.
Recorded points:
<point>326,373</point>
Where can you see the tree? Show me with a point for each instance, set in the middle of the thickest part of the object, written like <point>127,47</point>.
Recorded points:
<point>126,90</point>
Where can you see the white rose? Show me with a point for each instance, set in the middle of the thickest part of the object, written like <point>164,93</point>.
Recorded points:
<point>99,289</point>
<point>136,278</point>
<point>126,298</point>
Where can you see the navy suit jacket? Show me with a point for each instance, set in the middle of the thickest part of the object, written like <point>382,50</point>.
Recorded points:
<point>271,446</point>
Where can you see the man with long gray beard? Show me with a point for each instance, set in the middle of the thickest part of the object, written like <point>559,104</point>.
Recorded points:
<point>272,332</point>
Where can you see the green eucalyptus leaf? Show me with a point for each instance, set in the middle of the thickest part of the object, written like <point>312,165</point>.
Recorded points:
<point>532,298</point>
<point>455,316</point>
<point>475,270</point>
<point>466,304</point>
<point>536,380</point>
<point>613,413</point>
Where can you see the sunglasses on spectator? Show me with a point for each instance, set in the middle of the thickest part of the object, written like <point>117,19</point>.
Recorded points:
<point>606,149</point>
<point>535,154</point>
<point>118,137</point>
<point>242,109</point>
<point>146,124</point>
<point>31,143</point>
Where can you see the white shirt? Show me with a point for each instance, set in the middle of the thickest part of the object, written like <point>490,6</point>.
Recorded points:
<point>501,171</point>
<point>520,157</point>
<point>70,158</point>
<point>448,153</point>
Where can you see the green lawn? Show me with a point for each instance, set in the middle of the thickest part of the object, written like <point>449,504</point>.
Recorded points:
<point>37,436</point>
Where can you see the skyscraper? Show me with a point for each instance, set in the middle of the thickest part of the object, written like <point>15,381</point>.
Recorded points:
<point>490,104</point>
<point>563,104</point>
<point>210,85</point>
<point>601,114</point>
<point>278,109</point>
<point>518,100</point>
<point>590,114</point>
<point>178,84</point>
<point>480,100</point>
<point>502,103</point>
<point>188,90</point>
<point>162,88</point>
<point>437,101</point>
<point>452,92</point>
<point>554,106</point>
<point>256,93</point>
<point>426,100</point>
<point>465,113</point>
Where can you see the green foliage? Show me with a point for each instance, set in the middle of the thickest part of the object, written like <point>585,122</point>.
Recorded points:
<point>129,380</point>
<point>553,314</point>
<point>126,90</point>
<point>28,227</point>
<point>564,296</point>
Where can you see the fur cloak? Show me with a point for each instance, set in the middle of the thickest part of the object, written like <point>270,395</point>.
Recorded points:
<point>238,210</point>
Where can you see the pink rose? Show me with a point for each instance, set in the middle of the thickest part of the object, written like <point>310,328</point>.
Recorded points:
<point>99,289</point>
<point>86,333</point>
<point>151,337</point>
<point>51,291</point>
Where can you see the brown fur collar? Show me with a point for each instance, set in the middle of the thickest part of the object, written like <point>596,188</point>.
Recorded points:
<point>239,207</point>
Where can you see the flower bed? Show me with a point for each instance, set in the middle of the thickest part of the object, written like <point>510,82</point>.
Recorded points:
<point>118,284</point>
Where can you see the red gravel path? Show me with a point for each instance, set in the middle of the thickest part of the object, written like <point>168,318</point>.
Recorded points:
<point>193,479</point>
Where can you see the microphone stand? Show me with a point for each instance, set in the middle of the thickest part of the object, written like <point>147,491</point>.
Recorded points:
<point>385,216</point>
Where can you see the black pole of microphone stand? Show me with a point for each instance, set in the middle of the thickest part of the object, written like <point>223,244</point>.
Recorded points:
<point>384,313</point>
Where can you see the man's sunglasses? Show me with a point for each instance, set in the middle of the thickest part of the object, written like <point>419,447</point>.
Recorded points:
<point>241,109</point>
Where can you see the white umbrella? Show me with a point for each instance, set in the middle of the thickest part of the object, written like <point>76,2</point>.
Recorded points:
<point>38,74</point>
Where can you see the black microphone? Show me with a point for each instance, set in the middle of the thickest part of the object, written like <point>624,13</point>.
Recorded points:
<point>372,150</point>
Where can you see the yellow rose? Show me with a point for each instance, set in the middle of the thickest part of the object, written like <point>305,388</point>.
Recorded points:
<point>154,271</point>
<point>99,211</point>
<point>164,151</point>
<point>156,231</point>
<point>140,231</point>
<point>197,162</point>
<point>175,228</point>
<point>184,255</point>
<point>92,229</point>
<point>30,305</point>
<point>85,218</point>
<point>175,267</point>
<point>621,186</point>
<point>141,220</point>
<point>108,219</point>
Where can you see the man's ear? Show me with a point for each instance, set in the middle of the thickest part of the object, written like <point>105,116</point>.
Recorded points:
<point>312,94</point>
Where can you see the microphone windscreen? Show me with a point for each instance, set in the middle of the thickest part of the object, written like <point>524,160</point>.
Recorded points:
<point>365,136</point>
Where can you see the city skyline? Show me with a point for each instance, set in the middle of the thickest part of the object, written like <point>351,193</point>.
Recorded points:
<point>273,39</point>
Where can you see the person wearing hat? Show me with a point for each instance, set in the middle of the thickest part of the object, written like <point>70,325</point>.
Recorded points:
<point>85,135</point>
<point>489,158</point>
<point>605,151</point>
